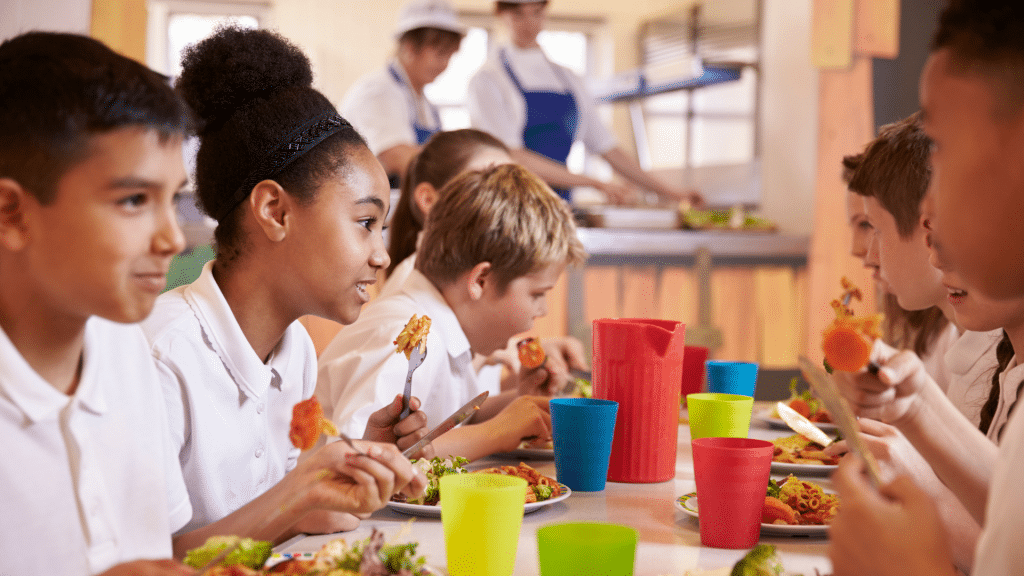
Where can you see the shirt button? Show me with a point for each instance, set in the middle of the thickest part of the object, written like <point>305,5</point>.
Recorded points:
<point>260,407</point>
<point>259,451</point>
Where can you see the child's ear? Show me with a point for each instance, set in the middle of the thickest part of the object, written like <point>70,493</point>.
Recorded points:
<point>13,226</point>
<point>425,196</point>
<point>269,205</point>
<point>479,280</point>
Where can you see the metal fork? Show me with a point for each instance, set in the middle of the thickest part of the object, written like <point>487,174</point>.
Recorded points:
<point>344,437</point>
<point>415,359</point>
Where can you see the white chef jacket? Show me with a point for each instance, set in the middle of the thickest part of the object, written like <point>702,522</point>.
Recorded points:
<point>971,361</point>
<point>498,107</point>
<point>999,552</point>
<point>360,371</point>
<point>88,480</point>
<point>382,110</point>
<point>229,412</point>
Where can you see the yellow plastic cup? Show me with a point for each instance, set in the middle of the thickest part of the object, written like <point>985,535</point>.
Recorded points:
<point>716,415</point>
<point>481,515</point>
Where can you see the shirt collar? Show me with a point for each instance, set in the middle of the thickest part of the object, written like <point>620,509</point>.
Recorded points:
<point>225,337</point>
<point>37,399</point>
<point>432,302</point>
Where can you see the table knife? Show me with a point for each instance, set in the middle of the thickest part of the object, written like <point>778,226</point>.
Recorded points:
<point>452,421</point>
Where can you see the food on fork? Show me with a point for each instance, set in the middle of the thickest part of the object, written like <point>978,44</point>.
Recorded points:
<point>847,341</point>
<point>308,423</point>
<point>531,353</point>
<point>413,335</point>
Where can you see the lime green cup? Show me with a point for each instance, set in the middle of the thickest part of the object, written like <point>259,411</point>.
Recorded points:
<point>590,548</point>
<point>481,515</point>
<point>716,415</point>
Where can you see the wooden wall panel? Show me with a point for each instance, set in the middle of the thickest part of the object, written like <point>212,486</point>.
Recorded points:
<point>602,293</point>
<point>677,298</point>
<point>733,311</point>
<point>845,126</point>
<point>121,25</point>
<point>776,311</point>
<point>640,292</point>
<point>877,28</point>
<point>832,33</point>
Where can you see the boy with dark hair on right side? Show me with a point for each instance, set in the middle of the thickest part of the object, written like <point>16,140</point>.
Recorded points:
<point>90,166</point>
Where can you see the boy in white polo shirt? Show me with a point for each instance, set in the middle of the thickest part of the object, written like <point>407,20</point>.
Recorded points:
<point>90,165</point>
<point>495,243</point>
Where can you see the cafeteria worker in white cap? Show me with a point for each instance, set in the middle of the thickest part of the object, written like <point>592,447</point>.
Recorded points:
<point>538,109</point>
<point>388,106</point>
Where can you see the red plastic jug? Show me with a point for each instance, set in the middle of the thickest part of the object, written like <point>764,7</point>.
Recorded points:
<point>639,363</point>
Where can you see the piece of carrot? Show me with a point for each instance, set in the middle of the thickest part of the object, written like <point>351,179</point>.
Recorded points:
<point>846,348</point>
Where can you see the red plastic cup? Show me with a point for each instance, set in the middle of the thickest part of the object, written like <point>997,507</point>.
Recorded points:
<point>639,363</point>
<point>693,370</point>
<point>732,476</point>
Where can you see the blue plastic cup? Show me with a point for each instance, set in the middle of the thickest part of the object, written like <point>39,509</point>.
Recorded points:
<point>582,430</point>
<point>727,377</point>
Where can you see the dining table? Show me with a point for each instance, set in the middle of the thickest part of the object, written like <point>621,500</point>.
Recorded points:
<point>668,539</point>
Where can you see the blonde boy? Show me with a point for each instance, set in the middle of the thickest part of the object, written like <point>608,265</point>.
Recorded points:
<point>90,165</point>
<point>494,245</point>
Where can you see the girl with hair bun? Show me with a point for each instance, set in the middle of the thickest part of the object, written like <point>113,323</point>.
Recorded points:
<point>300,203</point>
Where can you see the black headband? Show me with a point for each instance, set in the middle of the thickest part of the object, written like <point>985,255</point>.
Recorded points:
<point>300,141</point>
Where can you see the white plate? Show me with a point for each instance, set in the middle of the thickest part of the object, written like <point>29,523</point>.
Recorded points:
<point>803,469</point>
<point>435,511</point>
<point>689,507</point>
<point>779,424</point>
<point>528,453</point>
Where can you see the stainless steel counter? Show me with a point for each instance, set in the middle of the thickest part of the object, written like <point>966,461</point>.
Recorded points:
<point>680,247</point>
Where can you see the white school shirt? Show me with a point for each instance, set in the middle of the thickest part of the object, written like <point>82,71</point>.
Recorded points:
<point>999,551</point>
<point>1009,381</point>
<point>498,107</point>
<point>89,480</point>
<point>934,359</point>
<point>229,412</point>
<point>360,371</point>
<point>381,109</point>
<point>393,285</point>
<point>971,361</point>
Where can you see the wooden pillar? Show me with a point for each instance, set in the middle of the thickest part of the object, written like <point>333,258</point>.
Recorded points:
<point>121,24</point>
<point>847,34</point>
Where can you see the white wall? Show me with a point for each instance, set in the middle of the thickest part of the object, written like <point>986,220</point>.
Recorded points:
<point>17,16</point>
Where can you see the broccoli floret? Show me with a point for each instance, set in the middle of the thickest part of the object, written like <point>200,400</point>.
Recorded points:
<point>251,553</point>
<point>762,560</point>
<point>773,488</point>
<point>542,492</point>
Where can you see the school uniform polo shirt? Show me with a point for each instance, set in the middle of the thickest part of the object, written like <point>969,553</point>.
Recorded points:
<point>999,552</point>
<point>361,372</point>
<point>971,360</point>
<point>89,480</point>
<point>229,412</point>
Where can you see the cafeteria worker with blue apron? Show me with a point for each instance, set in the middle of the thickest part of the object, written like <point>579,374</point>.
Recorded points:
<point>539,109</point>
<point>387,106</point>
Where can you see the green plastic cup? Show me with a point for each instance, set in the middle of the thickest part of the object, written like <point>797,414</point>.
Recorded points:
<point>591,548</point>
<point>716,415</point>
<point>481,515</point>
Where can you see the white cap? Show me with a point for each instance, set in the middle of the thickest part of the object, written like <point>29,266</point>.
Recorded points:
<point>428,14</point>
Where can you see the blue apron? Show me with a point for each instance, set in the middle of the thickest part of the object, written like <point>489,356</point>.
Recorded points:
<point>551,120</point>
<point>422,132</point>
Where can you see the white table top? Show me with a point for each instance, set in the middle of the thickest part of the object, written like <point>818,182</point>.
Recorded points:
<point>669,540</point>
